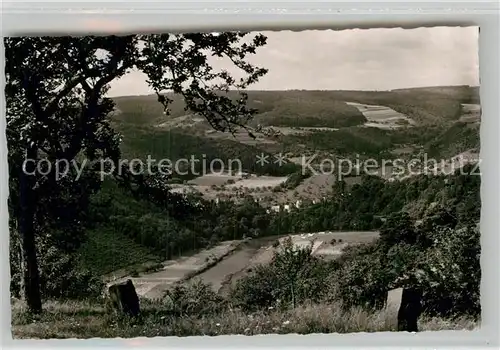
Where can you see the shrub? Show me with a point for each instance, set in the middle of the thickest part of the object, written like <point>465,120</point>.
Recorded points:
<point>193,298</point>
<point>361,280</point>
<point>61,274</point>
<point>293,276</point>
<point>61,277</point>
<point>447,269</point>
<point>451,273</point>
<point>295,179</point>
<point>256,290</point>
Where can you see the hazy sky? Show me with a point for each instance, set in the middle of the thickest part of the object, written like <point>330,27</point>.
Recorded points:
<point>358,59</point>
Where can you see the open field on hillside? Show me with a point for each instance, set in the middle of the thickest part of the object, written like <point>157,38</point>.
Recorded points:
<point>382,117</point>
<point>216,179</point>
<point>261,181</point>
<point>261,188</point>
<point>228,185</point>
<point>110,253</point>
<point>184,121</point>
<point>301,130</point>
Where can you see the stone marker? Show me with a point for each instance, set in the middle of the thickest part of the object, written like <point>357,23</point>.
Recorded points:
<point>124,298</point>
<point>392,307</point>
<point>403,309</point>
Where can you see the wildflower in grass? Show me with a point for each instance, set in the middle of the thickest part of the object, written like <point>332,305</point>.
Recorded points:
<point>286,323</point>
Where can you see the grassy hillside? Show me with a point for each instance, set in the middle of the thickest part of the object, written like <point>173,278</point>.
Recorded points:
<point>89,320</point>
<point>278,108</point>
<point>109,246</point>
<point>107,250</point>
<point>144,109</point>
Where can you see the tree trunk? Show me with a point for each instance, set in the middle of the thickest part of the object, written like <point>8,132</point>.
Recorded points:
<point>31,275</point>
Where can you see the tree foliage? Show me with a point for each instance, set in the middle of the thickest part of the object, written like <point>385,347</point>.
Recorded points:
<point>57,110</point>
<point>292,277</point>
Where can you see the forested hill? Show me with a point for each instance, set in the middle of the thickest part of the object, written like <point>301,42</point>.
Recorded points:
<point>432,105</point>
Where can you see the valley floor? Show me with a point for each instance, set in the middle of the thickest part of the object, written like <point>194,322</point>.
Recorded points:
<point>224,264</point>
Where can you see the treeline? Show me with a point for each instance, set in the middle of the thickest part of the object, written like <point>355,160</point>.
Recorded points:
<point>364,206</point>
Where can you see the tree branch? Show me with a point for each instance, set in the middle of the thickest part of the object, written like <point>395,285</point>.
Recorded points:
<point>52,106</point>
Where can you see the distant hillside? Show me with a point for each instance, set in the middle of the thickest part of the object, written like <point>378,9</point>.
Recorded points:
<point>434,111</point>
<point>143,141</point>
<point>308,108</point>
<point>463,93</point>
<point>304,109</point>
<point>458,138</point>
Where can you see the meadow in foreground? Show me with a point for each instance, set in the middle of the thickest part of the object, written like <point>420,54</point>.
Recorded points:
<point>89,320</point>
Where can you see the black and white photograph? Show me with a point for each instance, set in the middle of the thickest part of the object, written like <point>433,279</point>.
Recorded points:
<point>244,183</point>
